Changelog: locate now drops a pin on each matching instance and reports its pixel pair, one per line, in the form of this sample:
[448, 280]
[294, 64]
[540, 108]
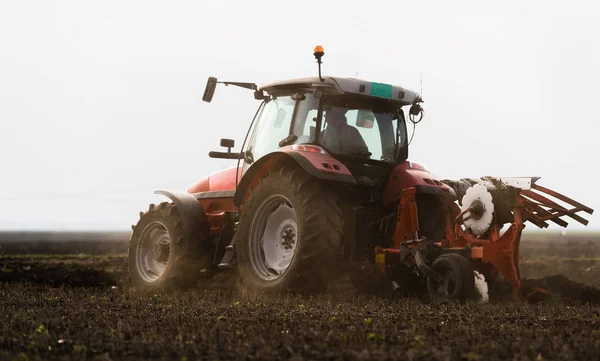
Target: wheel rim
[447, 286]
[273, 238]
[153, 250]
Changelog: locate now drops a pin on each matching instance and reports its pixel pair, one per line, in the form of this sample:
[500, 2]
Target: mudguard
[193, 217]
[312, 159]
[410, 174]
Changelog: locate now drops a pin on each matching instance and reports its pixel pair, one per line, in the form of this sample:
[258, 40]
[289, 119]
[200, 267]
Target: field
[69, 299]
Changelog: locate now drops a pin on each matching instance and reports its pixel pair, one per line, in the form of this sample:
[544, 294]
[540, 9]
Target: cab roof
[338, 86]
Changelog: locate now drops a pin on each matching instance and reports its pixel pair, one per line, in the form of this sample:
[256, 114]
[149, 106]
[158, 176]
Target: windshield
[355, 126]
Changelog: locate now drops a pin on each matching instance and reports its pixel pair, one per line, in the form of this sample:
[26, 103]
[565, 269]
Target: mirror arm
[248, 157]
[251, 86]
[224, 155]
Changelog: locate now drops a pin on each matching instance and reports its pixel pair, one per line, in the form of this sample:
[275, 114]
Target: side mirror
[228, 143]
[415, 109]
[209, 91]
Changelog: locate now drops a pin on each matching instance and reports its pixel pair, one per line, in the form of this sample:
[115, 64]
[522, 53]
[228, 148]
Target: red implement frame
[499, 250]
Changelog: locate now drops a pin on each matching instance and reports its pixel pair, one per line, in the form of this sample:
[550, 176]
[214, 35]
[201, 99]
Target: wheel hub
[448, 284]
[477, 209]
[160, 251]
[288, 238]
[152, 253]
[481, 204]
[274, 237]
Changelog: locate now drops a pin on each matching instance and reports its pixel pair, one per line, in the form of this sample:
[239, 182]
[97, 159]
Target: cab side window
[306, 120]
[273, 125]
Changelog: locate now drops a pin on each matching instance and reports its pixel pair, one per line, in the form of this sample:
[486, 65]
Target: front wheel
[289, 232]
[159, 255]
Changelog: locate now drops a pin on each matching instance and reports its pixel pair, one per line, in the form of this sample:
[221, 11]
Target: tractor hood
[223, 180]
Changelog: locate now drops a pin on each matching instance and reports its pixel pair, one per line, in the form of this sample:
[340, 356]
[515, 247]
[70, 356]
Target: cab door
[272, 126]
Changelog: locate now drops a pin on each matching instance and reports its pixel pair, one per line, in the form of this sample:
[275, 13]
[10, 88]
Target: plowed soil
[43, 322]
[80, 307]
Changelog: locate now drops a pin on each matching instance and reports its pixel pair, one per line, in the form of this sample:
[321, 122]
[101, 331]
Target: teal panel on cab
[381, 90]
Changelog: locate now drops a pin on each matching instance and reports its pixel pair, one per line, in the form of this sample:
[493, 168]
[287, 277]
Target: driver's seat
[344, 139]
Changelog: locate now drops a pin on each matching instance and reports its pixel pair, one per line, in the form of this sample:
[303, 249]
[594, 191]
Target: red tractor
[324, 184]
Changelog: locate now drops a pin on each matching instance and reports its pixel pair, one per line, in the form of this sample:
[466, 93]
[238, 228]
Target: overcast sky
[100, 102]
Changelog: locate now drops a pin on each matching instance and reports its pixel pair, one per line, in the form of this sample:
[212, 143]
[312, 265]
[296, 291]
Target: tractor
[323, 184]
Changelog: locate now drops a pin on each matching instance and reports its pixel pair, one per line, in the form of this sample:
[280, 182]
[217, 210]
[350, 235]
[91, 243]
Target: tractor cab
[349, 118]
[358, 122]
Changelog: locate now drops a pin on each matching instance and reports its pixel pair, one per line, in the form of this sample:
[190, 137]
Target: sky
[100, 102]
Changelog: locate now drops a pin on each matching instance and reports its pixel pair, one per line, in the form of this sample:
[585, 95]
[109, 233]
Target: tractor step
[228, 257]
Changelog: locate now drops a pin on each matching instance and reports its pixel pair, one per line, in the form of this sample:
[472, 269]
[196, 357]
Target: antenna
[355, 75]
[421, 84]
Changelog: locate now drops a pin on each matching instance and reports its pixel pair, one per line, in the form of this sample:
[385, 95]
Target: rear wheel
[289, 233]
[159, 254]
[458, 278]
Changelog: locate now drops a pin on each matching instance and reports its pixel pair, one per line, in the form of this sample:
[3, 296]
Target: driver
[341, 138]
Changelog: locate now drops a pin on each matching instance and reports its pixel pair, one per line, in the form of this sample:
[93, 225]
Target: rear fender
[410, 174]
[193, 217]
[315, 162]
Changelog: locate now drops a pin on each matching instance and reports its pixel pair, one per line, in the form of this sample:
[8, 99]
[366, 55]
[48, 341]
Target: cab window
[306, 119]
[273, 125]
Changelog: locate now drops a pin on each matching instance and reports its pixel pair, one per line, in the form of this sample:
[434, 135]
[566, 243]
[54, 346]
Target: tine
[533, 206]
[563, 198]
[534, 219]
[560, 213]
[540, 198]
